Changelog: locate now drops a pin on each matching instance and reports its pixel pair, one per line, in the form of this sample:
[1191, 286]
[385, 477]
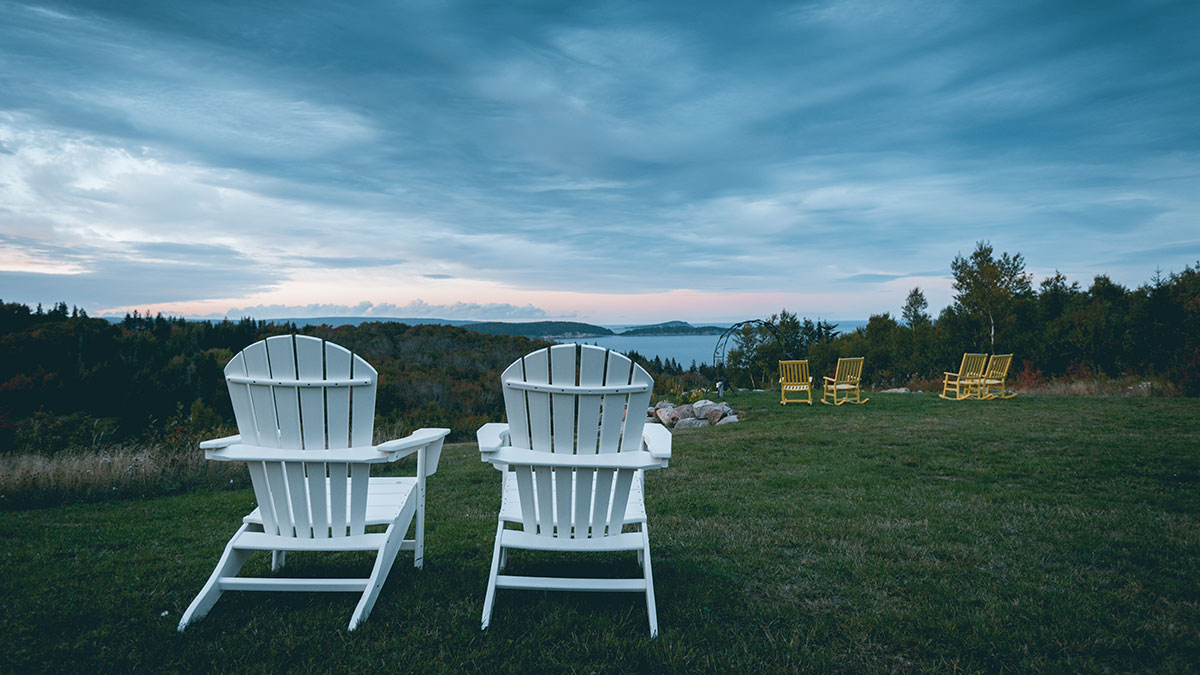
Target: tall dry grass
[1129, 385]
[97, 472]
[118, 471]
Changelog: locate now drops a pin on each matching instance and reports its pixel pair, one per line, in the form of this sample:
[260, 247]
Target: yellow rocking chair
[845, 380]
[992, 383]
[794, 377]
[966, 382]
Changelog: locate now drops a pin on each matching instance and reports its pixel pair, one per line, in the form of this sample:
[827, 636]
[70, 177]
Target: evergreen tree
[913, 312]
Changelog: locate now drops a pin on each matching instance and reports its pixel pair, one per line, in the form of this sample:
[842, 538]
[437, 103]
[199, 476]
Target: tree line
[68, 380]
[1055, 329]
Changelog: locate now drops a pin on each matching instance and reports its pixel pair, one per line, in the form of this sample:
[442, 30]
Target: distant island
[540, 329]
[673, 328]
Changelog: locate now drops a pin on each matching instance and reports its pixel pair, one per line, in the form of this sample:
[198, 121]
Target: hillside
[673, 328]
[540, 329]
[356, 320]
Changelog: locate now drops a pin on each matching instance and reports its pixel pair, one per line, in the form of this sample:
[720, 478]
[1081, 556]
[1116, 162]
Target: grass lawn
[907, 534]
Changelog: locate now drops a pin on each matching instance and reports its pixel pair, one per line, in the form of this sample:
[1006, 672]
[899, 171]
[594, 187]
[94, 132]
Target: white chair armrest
[610, 460]
[422, 439]
[254, 453]
[403, 447]
[492, 436]
[426, 442]
[657, 440]
[215, 443]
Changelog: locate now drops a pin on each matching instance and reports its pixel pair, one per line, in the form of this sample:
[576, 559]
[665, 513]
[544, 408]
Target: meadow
[909, 534]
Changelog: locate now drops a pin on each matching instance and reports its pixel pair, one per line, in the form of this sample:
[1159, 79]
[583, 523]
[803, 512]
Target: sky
[607, 162]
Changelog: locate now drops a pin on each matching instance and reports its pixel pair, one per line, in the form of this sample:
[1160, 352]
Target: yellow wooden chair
[991, 385]
[845, 380]
[794, 377]
[966, 382]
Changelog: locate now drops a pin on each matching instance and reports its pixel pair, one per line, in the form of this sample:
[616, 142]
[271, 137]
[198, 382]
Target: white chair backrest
[302, 393]
[575, 400]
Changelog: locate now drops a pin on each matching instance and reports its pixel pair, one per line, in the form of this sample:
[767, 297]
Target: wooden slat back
[612, 407]
[592, 361]
[567, 501]
[305, 403]
[998, 366]
[972, 366]
[793, 372]
[562, 406]
[849, 370]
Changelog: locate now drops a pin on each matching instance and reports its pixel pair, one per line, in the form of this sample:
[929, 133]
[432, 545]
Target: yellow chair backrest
[997, 368]
[973, 366]
[793, 372]
[849, 370]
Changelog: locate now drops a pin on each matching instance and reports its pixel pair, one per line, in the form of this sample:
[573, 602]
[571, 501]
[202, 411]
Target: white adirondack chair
[306, 410]
[573, 455]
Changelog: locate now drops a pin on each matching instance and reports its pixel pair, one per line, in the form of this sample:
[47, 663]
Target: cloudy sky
[608, 162]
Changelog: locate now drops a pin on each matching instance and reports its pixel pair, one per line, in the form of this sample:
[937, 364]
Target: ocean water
[682, 348]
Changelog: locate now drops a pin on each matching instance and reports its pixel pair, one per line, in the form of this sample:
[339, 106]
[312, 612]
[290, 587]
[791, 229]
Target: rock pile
[691, 415]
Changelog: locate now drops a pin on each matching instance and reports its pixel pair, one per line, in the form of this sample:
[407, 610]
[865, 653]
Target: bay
[683, 348]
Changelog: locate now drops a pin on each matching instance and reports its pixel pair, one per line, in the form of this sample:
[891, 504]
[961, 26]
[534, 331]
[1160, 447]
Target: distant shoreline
[546, 330]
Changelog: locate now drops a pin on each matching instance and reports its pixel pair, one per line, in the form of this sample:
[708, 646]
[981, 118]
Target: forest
[70, 381]
[1054, 330]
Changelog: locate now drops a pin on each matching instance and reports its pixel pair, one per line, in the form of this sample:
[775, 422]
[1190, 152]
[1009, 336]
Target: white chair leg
[383, 564]
[503, 558]
[278, 560]
[419, 552]
[490, 598]
[651, 609]
[231, 562]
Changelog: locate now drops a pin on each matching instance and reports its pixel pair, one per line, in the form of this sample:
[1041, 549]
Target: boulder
[691, 423]
[664, 404]
[683, 412]
[897, 390]
[714, 415]
[664, 416]
[702, 407]
[730, 419]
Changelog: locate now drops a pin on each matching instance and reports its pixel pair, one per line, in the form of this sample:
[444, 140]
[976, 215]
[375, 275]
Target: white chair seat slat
[385, 500]
[260, 541]
[626, 541]
[512, 512]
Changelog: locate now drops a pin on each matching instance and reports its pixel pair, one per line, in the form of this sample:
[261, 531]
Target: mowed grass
[907, 534]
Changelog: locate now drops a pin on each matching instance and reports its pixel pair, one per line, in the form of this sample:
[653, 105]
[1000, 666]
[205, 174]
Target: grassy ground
[908, 534]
